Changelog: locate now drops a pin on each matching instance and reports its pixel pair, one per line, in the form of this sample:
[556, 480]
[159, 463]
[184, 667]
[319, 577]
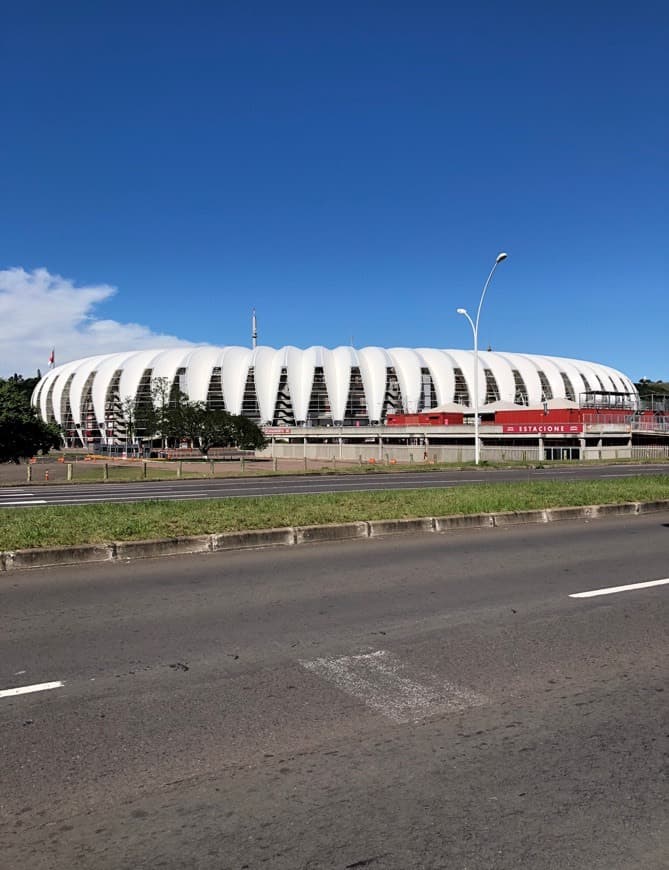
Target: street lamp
[475, 329]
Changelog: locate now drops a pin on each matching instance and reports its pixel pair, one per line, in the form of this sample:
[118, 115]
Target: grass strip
[99, 523]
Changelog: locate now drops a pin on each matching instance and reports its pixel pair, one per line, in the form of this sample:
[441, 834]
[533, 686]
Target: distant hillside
[657, 388]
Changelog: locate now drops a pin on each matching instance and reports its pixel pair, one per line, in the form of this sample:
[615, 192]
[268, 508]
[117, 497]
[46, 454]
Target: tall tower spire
[254, 330]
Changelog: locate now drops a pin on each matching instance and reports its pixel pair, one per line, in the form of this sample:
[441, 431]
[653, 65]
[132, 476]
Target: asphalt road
[429, 701]
[27, 496]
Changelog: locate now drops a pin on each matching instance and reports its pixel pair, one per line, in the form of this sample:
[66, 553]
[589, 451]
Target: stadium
[358, 403]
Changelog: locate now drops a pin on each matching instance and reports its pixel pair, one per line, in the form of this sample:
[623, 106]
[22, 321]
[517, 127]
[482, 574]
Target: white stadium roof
[300, 384]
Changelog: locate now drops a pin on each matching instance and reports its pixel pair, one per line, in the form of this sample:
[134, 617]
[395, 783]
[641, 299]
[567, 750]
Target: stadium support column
[542, 454]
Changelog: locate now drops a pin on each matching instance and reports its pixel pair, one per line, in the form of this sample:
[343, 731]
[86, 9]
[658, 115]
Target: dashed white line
[610, 590]
[25, 690]
[23, 501]
[381, 681]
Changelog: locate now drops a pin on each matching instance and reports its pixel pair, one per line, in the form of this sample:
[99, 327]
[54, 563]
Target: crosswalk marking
[383, 682]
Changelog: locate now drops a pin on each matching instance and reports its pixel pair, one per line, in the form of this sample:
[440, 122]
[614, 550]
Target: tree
[247, 435]
[129, 412]
[22, 433]
[217, 430]
[25, 385]
[647, 387]
[160, 402]
[207, 428]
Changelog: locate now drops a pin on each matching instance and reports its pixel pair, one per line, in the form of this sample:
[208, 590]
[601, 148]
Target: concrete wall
[446, 453]
[402, 453]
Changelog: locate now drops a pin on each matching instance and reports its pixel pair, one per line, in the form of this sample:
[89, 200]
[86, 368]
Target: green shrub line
[102, 523]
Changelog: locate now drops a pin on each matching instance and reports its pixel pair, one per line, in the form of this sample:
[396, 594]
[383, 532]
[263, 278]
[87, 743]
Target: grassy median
[52, 526]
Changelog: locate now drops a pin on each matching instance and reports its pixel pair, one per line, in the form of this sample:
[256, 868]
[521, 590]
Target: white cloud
[39, 311]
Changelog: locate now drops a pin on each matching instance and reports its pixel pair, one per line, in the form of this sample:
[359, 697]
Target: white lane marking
[76, 500]
[379, 679]
[612, 589]
[23, 501]
[238, 492]
[25, 690]
[259, 489]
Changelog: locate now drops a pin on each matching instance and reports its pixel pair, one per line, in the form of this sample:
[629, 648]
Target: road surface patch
[382, 681]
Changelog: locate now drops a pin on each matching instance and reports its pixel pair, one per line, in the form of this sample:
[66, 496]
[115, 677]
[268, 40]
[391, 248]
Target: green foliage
[650, 388]
[169, 415]
[25, 385]
[209, 428]
[247, 435]
[22, 433]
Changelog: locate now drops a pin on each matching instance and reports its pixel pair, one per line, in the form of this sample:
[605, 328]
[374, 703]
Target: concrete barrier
[463, 521]
[647, 507]
[253, 539]
[515, 518]
[49, 557]
[377, 528]
[52, 556]
[616, 510]
[339, 532]
[163, 547]
[584, 512]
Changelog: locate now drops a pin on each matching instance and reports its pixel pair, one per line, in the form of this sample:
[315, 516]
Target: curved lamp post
[475, 329]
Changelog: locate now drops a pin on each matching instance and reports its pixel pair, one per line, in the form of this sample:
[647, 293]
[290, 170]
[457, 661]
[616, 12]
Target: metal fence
[659, 451]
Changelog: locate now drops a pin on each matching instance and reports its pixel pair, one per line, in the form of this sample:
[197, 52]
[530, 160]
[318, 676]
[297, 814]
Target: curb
[124, 551]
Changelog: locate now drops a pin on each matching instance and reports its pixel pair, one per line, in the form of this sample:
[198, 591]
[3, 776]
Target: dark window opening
[68, 423]
[546, 391]
[114, 422]
[250, 406]
[428, 392]
[521, 396]
[283, 409]
[178, 388]
[568, 387]
[392, 400]
[319, 413]
[491, 388]
[89, 424]
[461, 396]
[356, 404]
[215, 400]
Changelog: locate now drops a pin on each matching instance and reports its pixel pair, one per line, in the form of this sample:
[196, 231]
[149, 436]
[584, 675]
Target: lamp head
[461, 311]
[501, 257]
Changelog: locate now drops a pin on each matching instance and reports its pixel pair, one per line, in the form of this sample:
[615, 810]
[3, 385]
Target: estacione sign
[542, 428]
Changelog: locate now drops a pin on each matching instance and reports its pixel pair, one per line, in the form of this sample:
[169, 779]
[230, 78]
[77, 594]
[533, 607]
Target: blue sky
[351, 169]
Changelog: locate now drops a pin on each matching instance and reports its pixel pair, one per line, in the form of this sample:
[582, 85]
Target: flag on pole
[52, 357]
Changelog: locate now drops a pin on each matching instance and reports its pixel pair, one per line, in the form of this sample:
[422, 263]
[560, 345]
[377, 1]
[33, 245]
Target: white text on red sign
[542, 428]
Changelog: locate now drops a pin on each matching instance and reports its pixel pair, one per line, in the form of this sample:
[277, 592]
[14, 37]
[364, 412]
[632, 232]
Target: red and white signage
[542, 428]
[277, 430]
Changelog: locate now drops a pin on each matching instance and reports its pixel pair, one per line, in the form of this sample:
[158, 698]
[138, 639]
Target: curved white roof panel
[288, 382]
